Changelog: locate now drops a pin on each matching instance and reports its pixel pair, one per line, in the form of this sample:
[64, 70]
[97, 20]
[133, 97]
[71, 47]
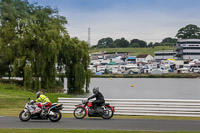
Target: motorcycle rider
[99, 98]
[46, 103]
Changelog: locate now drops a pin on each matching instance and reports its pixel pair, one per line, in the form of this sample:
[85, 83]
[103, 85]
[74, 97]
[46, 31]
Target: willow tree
[33, 39]
[46, 36]
[33, 33]
[76, 62]
[9, 18]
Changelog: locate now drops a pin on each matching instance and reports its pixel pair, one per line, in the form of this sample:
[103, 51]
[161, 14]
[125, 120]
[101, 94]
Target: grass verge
[13, 99]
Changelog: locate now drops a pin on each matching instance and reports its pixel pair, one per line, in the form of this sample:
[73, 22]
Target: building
[164, 55]
[131, 59]
[145, 58]
[188, 49]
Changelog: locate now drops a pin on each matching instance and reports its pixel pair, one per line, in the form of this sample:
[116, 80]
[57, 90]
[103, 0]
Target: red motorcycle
[104, 110]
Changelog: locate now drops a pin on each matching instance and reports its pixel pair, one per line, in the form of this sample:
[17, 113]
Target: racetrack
[98, 123]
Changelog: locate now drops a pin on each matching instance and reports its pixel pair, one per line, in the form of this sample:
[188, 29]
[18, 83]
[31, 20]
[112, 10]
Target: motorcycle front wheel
[56, 117]
[25, 116]
[107, 113]
[79, 113]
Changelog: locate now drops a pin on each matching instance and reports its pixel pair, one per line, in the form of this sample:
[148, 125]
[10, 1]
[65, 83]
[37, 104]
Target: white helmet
[39, 93]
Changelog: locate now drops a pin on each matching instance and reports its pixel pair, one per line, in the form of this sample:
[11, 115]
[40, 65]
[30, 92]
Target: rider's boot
[43, 111]
[95, 108]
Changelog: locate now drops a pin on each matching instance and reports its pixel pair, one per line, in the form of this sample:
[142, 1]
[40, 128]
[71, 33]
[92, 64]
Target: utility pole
[89, 36]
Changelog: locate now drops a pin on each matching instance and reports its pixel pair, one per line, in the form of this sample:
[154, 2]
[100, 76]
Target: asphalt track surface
[98, 123]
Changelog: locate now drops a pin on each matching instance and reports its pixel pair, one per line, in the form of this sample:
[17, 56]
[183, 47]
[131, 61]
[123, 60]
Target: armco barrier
[153, 107]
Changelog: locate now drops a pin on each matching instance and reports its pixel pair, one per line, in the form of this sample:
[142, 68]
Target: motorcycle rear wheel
[79, 113]
[56, 117]
[108, 113]
[25, 116]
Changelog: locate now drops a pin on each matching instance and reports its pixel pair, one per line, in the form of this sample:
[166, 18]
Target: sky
[148, 20]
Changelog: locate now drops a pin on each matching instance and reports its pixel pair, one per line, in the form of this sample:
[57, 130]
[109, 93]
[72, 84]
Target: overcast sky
[148, 20]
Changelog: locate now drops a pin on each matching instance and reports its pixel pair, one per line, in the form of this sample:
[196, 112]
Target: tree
[11, 13]
[122, 43]
[189, 32]
[156, 44]
[105, 42]
[169, 41]
[31, 40]
[140, 43]
[150, 44]
[113, 45]
[48, 28]
[76, 64]
[135, 45]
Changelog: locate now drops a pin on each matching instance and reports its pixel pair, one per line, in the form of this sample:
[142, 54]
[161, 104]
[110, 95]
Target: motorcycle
[37, 111]
[105, 110]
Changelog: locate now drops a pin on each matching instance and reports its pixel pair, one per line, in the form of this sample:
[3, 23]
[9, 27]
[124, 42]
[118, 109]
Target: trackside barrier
[153, 107]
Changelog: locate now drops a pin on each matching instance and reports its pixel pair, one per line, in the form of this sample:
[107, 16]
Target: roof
[142, 56]
[131, 57]
[116, 52]
[164, 51]
[188, 40]
[112, 63]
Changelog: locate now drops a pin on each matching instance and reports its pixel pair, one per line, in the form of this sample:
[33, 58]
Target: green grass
[13, 99]
[134, 51]
[77, 131]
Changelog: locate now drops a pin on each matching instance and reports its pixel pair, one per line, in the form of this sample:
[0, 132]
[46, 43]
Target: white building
[144, 58]
[188, 49]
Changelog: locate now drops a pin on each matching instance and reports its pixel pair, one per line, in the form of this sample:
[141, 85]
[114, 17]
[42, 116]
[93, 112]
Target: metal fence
[153, 107]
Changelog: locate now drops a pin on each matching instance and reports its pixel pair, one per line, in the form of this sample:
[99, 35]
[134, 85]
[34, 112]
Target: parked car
[184, 70]
[132, 71]
[196, 70]
[145, 70]
[157, 71]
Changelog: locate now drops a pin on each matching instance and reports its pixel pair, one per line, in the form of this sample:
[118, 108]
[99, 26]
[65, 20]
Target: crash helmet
[95, 90]
[39, 93]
